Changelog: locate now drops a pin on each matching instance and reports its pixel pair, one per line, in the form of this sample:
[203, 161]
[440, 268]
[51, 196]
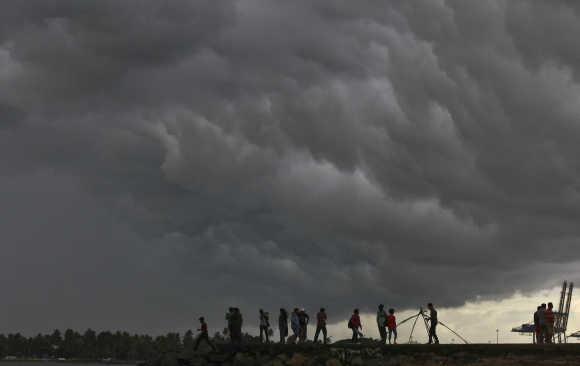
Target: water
[56, 363]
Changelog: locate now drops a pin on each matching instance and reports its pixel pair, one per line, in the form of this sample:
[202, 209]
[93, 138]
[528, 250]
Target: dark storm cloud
[178, 157]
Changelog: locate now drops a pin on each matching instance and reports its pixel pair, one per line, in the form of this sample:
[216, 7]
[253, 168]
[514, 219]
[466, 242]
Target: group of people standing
[299, 320]
[544, 319]
[386, 322]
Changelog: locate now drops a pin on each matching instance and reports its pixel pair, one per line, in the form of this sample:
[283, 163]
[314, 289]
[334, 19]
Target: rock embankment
[376, 355]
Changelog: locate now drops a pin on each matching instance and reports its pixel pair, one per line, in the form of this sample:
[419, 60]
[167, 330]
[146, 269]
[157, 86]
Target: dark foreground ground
[374, 354]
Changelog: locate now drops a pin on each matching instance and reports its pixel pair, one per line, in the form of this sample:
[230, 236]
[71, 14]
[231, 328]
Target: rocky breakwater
[376, 354]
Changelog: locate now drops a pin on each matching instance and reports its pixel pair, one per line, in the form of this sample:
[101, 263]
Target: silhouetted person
[542, 323]
[203, 335]
[230, 323]
[264, 325]
[433, 324]
[354, 324]
[320, 325]
[392, 326]
[303, 319]
[236, 324]
[549, 319]
[295, 324]
[382, 322]
[283, 325]
[537, 326]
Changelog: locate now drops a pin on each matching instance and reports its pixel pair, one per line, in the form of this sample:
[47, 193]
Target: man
[382, 322]
[537, 329]
[295, 324]
[320, 325]
[549, 320]
[433, 324]
[264, 325]
[283, 325]
[303, 320]
[203, 335]
[542, 323]
[230, 323]
[236, 321]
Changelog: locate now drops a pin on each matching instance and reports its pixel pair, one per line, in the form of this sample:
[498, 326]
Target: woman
[283, 325]
[355, 324]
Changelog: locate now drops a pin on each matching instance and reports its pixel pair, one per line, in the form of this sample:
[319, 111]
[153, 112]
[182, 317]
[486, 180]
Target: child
[392, 325]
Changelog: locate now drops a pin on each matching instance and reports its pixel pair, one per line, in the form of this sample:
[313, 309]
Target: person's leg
[261, 334]
[395, 333]
[353, 335]
[210, 343]
[201, 337]
[324, 334]
[267, 330]
[316, 333]
[435, 333]
[390, 332]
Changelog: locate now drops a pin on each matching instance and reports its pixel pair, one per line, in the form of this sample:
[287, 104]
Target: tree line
[91, 345]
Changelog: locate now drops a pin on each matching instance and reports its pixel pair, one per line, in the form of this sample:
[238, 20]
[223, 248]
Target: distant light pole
[497, 336]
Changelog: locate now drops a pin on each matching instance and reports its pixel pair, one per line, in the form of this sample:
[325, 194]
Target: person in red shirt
[320, 325]
[549, 319]
[355, 324]
[203, 335]
[392, 325]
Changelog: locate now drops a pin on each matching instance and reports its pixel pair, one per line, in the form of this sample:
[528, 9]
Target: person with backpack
[264, 326]
[303, 319]
[283, 325]
[354, 324]
[382, 322]
[392, 325]
[203, 335]
[320, 325]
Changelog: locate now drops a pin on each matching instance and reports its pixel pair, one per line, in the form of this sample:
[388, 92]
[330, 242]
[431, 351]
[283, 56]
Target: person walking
[354, 324]
[203, 335]
[549, 319]
[303, 319]
[320, 325]
[295, 324]
[537, 328]
[392, 325]
[283, 325]
[542, 324]
[433, 324]
[382, 323]
[264, 326]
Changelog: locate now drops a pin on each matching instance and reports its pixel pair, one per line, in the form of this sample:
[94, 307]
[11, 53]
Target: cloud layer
[167, 159]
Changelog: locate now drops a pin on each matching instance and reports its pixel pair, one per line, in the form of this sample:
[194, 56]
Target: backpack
[350, 323]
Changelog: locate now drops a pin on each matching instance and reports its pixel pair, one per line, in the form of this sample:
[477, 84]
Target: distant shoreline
[100, 362]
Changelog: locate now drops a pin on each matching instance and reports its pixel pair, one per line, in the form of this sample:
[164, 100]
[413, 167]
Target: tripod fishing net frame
[426, 320]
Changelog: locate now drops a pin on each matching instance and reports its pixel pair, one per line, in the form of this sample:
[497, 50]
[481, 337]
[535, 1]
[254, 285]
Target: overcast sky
[167, 159]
